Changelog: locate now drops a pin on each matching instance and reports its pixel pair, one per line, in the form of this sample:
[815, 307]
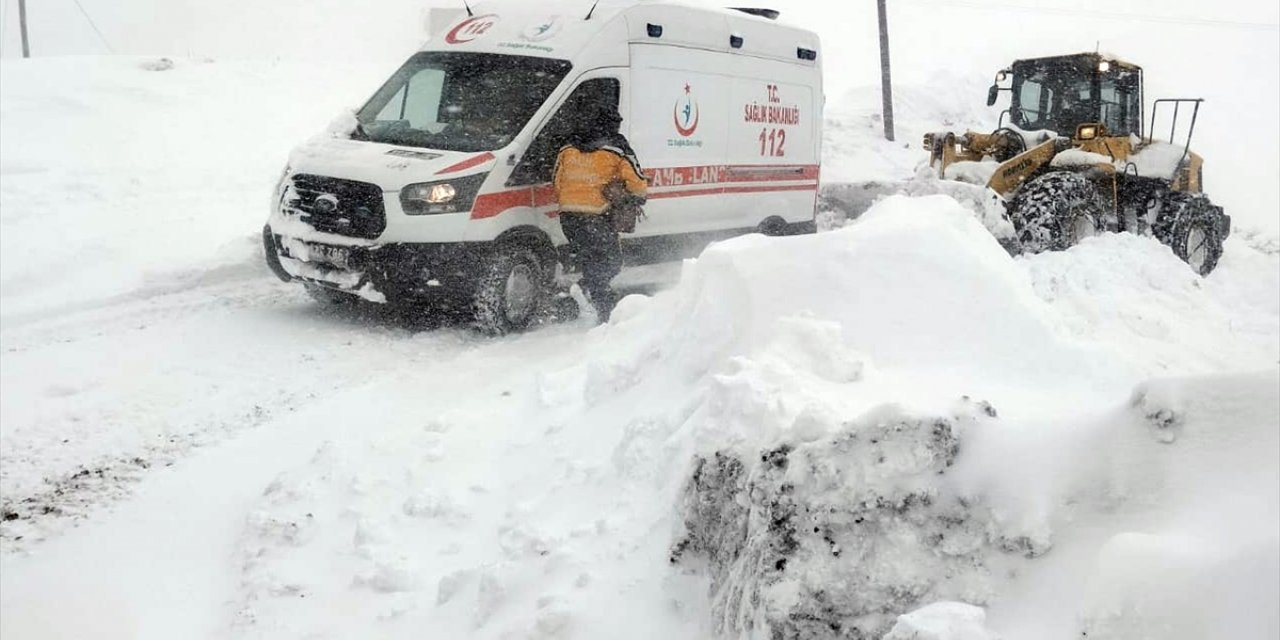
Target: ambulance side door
[679, 131]
[773, 142]
[537, 163]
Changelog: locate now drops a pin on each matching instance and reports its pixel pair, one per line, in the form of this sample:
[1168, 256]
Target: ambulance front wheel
[511, 292]
[773, 226]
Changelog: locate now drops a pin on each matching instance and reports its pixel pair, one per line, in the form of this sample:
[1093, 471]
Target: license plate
[337, 256]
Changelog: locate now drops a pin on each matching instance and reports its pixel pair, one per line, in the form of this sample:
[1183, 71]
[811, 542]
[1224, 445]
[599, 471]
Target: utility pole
[886, 88]
[22, 25]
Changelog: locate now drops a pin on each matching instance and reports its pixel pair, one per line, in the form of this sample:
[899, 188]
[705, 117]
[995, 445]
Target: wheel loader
[1070, 158]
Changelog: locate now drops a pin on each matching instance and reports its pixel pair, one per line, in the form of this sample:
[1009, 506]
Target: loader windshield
[460, 101]
[1059, 94]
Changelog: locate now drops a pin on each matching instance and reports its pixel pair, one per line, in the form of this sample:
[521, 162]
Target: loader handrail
[1173, 127]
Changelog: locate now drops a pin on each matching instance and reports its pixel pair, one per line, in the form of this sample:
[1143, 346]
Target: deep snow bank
[793, 384]
[818, 513]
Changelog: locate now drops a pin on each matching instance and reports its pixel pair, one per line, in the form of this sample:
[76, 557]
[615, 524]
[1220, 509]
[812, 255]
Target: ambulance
[438, 188]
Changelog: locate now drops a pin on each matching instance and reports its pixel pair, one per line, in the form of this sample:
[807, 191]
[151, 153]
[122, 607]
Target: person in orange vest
[597, 181]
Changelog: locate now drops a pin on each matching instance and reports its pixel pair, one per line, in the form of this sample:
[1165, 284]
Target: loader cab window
[1120, 96]
[1033, 101]
[539, 161]
[1053, 95]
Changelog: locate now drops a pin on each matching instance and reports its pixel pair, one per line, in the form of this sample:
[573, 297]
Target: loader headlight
[1087, 132]
[1104, 66]
[450, 196]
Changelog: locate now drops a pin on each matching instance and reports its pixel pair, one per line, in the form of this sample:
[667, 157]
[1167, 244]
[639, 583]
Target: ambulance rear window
[456, 101]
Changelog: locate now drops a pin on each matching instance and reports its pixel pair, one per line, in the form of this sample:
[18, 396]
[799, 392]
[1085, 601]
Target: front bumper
[386, 272]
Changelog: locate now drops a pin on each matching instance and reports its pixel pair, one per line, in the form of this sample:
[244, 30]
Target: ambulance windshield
[459, 101]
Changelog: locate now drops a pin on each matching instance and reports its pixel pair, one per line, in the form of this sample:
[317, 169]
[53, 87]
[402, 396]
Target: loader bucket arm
[1011, 174]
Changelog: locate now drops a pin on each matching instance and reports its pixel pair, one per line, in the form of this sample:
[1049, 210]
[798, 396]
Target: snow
[455, 490]
[190, 448]
[971, 171]
[854, 148]
[1078, 157]
[942, 621]
[1159, 159]
[153, 179]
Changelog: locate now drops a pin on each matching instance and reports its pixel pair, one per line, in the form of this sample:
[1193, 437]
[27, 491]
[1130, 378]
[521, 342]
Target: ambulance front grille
[344, 207]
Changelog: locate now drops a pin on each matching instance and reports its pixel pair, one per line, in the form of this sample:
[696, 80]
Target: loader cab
[1061, 93]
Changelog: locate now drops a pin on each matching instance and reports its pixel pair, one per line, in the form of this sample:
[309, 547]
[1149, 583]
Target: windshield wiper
[360, 133]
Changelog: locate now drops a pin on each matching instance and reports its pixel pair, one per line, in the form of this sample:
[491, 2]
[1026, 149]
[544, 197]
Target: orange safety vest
[581, 177]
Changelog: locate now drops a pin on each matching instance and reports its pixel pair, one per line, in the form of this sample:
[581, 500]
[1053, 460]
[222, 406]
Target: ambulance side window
[540, 160]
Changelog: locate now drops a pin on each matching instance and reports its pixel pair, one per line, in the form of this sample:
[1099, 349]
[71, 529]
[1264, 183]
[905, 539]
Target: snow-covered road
[190, 404]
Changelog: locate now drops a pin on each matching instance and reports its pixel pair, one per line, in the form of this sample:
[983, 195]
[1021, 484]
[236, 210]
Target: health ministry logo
[685, 114]
[543, 30]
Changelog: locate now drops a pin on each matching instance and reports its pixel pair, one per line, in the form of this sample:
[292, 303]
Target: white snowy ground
[222, 459]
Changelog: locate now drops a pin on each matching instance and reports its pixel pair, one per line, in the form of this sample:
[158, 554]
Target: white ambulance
[441, 189]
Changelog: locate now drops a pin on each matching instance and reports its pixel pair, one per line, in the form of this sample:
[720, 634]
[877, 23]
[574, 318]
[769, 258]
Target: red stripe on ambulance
[713, 174]
[474, 161]
[716, 180]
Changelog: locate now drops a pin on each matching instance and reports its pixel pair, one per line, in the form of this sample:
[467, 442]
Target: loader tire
[512, 292]
[1195, 235]
[1055, 211]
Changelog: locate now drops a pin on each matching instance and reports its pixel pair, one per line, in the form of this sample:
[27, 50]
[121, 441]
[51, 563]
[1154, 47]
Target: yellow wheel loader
[1070, 158]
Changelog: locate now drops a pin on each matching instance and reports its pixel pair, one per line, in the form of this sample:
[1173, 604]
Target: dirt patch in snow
[836, 537]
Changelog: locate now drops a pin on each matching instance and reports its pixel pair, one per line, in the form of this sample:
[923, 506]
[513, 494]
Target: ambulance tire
[511, 293]
[773, 226]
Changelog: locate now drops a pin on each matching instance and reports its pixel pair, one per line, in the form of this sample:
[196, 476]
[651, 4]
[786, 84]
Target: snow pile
[1079, 157]
[854, 148]
[972, 172]
[835, 536]
[815, 513]
[812, 458]
[1133, 294]
[861, 168]
[539, 485]
[1158, 159]
[942, 621]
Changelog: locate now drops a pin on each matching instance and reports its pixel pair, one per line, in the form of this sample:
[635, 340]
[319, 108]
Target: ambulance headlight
[284, 175]
[442, 193]
[448, 196]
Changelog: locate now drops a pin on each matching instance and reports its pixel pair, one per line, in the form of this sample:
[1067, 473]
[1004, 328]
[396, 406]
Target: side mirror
[992, 93]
